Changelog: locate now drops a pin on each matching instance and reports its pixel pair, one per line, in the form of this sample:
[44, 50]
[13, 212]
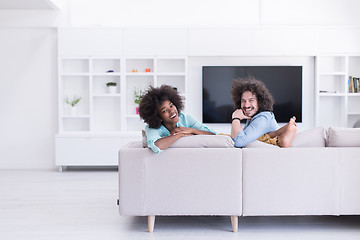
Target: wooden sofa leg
[151, 223]
[234, 223]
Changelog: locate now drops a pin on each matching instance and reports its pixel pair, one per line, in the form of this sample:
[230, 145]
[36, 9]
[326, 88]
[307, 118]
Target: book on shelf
[354, 84]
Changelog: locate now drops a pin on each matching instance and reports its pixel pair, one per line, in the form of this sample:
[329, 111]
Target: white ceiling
[27, 5]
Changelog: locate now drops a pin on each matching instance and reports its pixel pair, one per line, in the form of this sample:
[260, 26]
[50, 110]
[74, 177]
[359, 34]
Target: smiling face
[168, 112]
[249, 104]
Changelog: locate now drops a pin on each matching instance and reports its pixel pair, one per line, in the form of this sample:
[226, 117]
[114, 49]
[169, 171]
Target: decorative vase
[73, 110]
[111, 89]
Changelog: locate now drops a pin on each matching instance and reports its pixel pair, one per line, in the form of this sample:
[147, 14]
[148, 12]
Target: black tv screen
[284, 83]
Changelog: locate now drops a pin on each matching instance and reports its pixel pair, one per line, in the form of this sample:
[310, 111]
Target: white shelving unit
[102, 115]
[332, 90]
[353, 110]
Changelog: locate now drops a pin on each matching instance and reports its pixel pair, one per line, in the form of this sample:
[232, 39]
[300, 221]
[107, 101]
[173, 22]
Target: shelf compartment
[75, 86]
[135, 124]
[174, 81]
[165, 65]
[102, 65]
[106, 114]
[75, 124]
[354, 66]
[139, 83]
[332, 64]
[74, 66]
[99, 84]
[139, 65]
[354, 104]
[332, 83]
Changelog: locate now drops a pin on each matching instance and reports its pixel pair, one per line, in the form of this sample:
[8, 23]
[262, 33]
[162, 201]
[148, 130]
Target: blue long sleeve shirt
[261, 123]
[153, 134]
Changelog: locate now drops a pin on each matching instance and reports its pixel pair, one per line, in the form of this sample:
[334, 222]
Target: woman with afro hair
[254, 103]
[161, 109]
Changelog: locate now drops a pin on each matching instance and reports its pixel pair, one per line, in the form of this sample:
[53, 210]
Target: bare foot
[287, 137]
[283, 129]
[292, 121]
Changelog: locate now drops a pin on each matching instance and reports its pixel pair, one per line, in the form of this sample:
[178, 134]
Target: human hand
[183, 131]
[238, 113]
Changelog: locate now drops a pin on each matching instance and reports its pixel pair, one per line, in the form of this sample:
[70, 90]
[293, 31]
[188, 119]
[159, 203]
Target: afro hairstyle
[263, 96]
[152, 100]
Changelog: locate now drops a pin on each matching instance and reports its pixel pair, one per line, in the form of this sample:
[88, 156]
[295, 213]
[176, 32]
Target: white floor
[81, 204]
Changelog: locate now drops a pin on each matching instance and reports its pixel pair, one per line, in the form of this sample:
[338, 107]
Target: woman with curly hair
[254, 103]
[161, 109]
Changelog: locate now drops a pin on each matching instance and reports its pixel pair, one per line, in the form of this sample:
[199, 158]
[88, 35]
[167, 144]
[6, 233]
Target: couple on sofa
[161, 109]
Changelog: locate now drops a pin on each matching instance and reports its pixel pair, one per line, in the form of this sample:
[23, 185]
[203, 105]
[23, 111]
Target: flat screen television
[284, 83]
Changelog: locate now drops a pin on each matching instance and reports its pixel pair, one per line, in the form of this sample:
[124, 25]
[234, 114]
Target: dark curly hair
[152, 100]
[263, 96]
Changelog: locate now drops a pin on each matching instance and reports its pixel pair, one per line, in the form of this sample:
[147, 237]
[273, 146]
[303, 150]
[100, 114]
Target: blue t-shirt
[153, 134]
[261, 123]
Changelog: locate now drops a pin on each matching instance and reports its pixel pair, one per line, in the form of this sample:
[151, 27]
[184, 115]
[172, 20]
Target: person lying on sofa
[254, 103]
[161, 109]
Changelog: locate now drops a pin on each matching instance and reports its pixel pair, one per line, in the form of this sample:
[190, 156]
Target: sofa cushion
[204, 141]
[314, 137]
[259, 144]
[343, 137]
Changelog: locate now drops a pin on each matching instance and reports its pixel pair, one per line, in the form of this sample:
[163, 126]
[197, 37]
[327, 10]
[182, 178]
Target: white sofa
[259, 180]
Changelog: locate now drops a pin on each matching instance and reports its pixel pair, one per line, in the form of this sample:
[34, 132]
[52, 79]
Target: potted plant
[72, 104]
[137, 98]
[111, 87]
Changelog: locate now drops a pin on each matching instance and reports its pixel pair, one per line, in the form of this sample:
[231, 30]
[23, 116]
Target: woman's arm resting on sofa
[165, 142]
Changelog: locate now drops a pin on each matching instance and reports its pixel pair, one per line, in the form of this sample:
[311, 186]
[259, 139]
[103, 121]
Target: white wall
[185, 13]
[28, 95]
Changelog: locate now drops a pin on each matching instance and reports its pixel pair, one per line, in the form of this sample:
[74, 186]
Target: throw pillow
[343, 137]
[357, 124]
[314, 137]
[144, 139]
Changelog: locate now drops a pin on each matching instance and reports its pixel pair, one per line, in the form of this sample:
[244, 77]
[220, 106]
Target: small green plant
[111, 84]
[73, 102]
[138, 93]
